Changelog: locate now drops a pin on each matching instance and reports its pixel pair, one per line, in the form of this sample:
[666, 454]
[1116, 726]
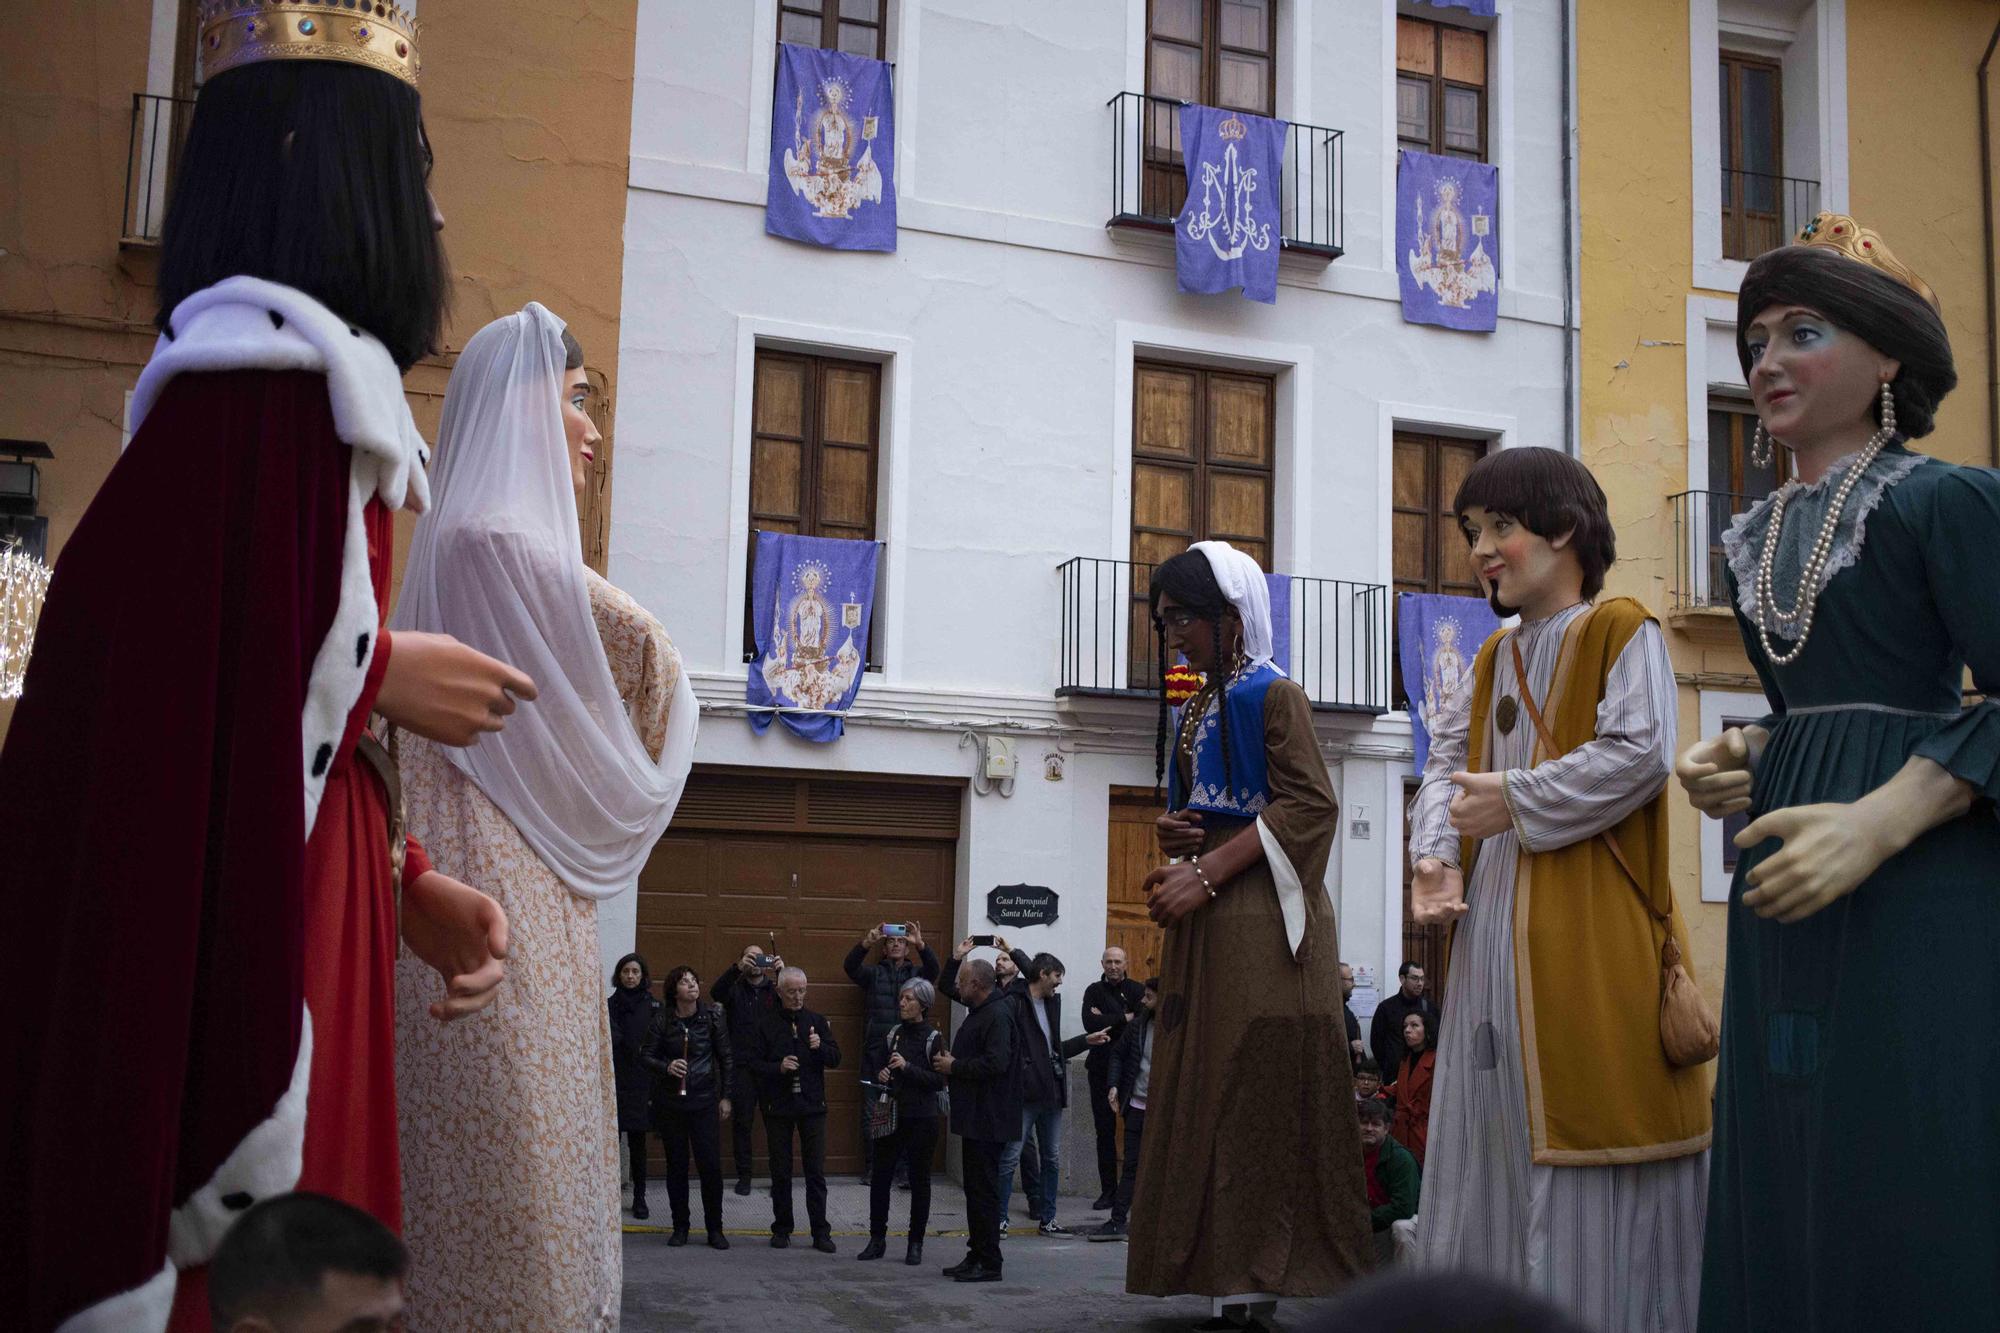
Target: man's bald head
[1113, 963]
[975, 981]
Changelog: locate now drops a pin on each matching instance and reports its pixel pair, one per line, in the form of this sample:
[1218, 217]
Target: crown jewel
[1837, 231]
[374, 33]
[1232, 129]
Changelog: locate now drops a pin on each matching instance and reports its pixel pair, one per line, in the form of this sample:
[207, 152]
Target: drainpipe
[1572, 437]
[1992, 296]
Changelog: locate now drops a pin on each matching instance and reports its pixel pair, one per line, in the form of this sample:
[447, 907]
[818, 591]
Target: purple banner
[1448, 240]
[833, 151]
[1229, 234]
[1281, 620]
[1437, 638]
[811, 599]
[1482, 8]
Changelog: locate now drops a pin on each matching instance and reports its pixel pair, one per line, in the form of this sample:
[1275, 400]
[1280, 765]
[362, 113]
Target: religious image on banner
[1229, 233]
[813, 599]
[1437, 638]
[1281, 620]
[1450, 245]
[833, 151]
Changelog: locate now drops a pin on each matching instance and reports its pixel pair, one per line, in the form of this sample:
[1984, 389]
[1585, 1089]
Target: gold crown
[1232, 129]
[374, 33]
[1837, 231]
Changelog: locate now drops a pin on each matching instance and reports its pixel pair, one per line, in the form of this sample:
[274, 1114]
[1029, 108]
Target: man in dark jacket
[746, 993]
[1130, 1071]
[1037, 1015]
[881, 982]
[1356, 1048]
[1385, 1030]
[795, 1048]
[1108, 1005]
[983, 1067]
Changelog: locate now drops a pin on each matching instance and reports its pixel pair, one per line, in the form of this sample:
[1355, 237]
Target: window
[858, 27]
[1220, 53]
[1441, 89]
[814, 443]
[1429, 551]
[1753, 188]
[1735, 482]
[1202, 455]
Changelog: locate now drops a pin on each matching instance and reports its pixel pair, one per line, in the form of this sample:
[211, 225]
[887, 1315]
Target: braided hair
[1190, 580]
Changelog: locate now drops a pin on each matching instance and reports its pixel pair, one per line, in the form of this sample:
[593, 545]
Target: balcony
[1333, 637]
[153, 147]
[1149, 177]
[1700, 519]
[1762, 212]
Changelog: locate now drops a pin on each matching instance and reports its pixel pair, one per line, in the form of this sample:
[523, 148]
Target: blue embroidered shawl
[1247, 789]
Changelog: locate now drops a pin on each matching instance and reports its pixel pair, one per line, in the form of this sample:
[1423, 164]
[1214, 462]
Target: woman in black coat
[633, 1008]
[914, 1085]
[693, 1069]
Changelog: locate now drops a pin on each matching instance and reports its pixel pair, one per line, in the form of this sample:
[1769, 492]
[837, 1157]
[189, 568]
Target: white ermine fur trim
[144, 1309]
[265, 1164]
[340, 667]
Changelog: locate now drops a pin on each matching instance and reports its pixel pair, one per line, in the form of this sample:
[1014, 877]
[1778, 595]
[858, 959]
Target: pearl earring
[1760, 446]
[1888, 412]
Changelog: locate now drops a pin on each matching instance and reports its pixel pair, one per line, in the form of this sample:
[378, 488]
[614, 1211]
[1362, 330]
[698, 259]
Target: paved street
[1051, 1285]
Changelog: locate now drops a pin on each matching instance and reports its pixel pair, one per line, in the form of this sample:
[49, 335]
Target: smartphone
[982, 941]
[895, 932]
[761, 960]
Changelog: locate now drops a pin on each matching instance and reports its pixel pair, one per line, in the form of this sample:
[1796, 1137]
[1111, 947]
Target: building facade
[1711, 131]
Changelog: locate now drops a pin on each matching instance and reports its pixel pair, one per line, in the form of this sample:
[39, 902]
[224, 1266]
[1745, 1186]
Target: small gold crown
[374, 33]
[1837, 231]
[1232, 129]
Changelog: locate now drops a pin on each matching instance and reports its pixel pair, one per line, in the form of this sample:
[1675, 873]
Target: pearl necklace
[1796, 624]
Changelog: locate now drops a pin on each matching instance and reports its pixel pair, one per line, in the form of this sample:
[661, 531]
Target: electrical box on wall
[999, 758]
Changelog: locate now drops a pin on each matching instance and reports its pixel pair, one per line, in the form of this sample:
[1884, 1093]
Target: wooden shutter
[1131, 855]
[858, 27]
[1441, 88]
[1752, 119]
[1428, 551]
[1221, 53]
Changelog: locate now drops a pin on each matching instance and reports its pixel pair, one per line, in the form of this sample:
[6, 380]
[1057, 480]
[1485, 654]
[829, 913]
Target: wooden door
[1132, 855]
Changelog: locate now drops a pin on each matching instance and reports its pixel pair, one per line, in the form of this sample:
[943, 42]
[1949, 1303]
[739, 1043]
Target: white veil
[497, 562]
[1242, 582]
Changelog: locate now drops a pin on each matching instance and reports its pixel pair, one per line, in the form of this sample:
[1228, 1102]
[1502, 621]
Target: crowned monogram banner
[833, 151]
[812, 599]
[1229, 234]
[1437, 638]
[1448, 240]
[1281, 620]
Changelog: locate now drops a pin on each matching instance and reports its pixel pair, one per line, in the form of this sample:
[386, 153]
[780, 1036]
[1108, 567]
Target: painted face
[1812, 380]
[1413, 1032]
[628, 975]
[1518, 568]
[1194, 637]
[1373, 1132]
[688, 988]
[577, 425]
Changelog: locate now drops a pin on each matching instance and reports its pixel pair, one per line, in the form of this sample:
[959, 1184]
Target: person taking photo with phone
[904, 957]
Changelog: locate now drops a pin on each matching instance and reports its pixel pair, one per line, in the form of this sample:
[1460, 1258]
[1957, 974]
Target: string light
[24, 581]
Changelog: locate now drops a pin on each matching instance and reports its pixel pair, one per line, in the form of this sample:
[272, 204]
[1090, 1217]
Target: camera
[761, 960]
[982, 941]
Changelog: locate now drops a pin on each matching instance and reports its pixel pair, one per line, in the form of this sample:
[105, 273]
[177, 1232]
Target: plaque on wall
[1021, 905]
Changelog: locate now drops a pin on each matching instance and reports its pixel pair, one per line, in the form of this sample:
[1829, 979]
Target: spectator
[907, 1150]
[1385, 1030]
[633, 1008]
[1368, 1081]
[1434, 1302]
[880, 984]
[1007, 979]
[692, 1064]
[301, 1263]
[1131, 1065]
[795, 1048]
[1412, 1124]
[746, 993]
[1355, 1048]
[1109, 1003]
[1392, 1176]
[983, 1066]
[1044, 1082]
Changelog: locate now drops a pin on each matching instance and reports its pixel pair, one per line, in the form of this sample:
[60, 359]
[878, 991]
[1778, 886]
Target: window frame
[1737, 217]
[1163, 179]
[829, 15]
[1434, 516]
[1439, 83]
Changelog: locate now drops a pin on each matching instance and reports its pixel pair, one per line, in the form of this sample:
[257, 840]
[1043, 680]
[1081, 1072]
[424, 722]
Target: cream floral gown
[508, 1118]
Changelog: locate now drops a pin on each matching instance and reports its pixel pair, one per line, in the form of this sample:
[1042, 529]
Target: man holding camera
[746, 993]
[1109, 1003]
[881, 982]
[983, 1069]
[794, 1049]
[1044, 1082]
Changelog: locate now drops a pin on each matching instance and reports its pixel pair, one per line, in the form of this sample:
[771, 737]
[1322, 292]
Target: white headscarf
[1242, 581]
[497, 563]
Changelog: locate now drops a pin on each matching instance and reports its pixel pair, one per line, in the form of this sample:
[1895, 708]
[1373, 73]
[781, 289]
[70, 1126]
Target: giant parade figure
[192, 810]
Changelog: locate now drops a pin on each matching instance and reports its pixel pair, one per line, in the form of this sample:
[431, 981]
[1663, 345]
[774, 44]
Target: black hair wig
[311, 174]
[1871, 305]
[1549, 493]
[572, 351]
[275, 1257]
[1190, 580]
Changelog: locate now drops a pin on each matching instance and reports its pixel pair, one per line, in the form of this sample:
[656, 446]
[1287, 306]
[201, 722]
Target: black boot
[742, 1184]
[874, 1249]
[915, 1253]
[680, 1236]
[1103, 1201]
[639, 1209]
[717, 1241]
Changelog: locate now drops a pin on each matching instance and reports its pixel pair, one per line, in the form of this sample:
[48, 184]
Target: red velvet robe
[171, 912]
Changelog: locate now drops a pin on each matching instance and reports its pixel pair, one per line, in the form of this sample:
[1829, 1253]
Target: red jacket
[1412, 1090]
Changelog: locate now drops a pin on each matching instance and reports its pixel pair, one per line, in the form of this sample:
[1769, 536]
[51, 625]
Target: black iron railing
[1333, 636]
[1762, 212]
[1700, 519]
[153, 149]
[1149, 177]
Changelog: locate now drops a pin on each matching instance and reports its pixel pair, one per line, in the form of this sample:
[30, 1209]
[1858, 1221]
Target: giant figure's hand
[445, 691]
[1172, 892]
[1479, 808]
[1437, 894]
[463, 934]
[1828, 850]
[1179, 834]
[1715, 773]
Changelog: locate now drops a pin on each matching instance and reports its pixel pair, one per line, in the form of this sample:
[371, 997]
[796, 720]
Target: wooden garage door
[1131, 855]
[818, 860]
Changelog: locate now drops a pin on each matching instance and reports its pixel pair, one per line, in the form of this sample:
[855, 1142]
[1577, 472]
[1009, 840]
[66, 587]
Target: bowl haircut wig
[1869, 304]
[311, 174]
[1549, 493]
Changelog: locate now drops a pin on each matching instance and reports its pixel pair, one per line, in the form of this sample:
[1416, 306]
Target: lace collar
[1805, 510]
